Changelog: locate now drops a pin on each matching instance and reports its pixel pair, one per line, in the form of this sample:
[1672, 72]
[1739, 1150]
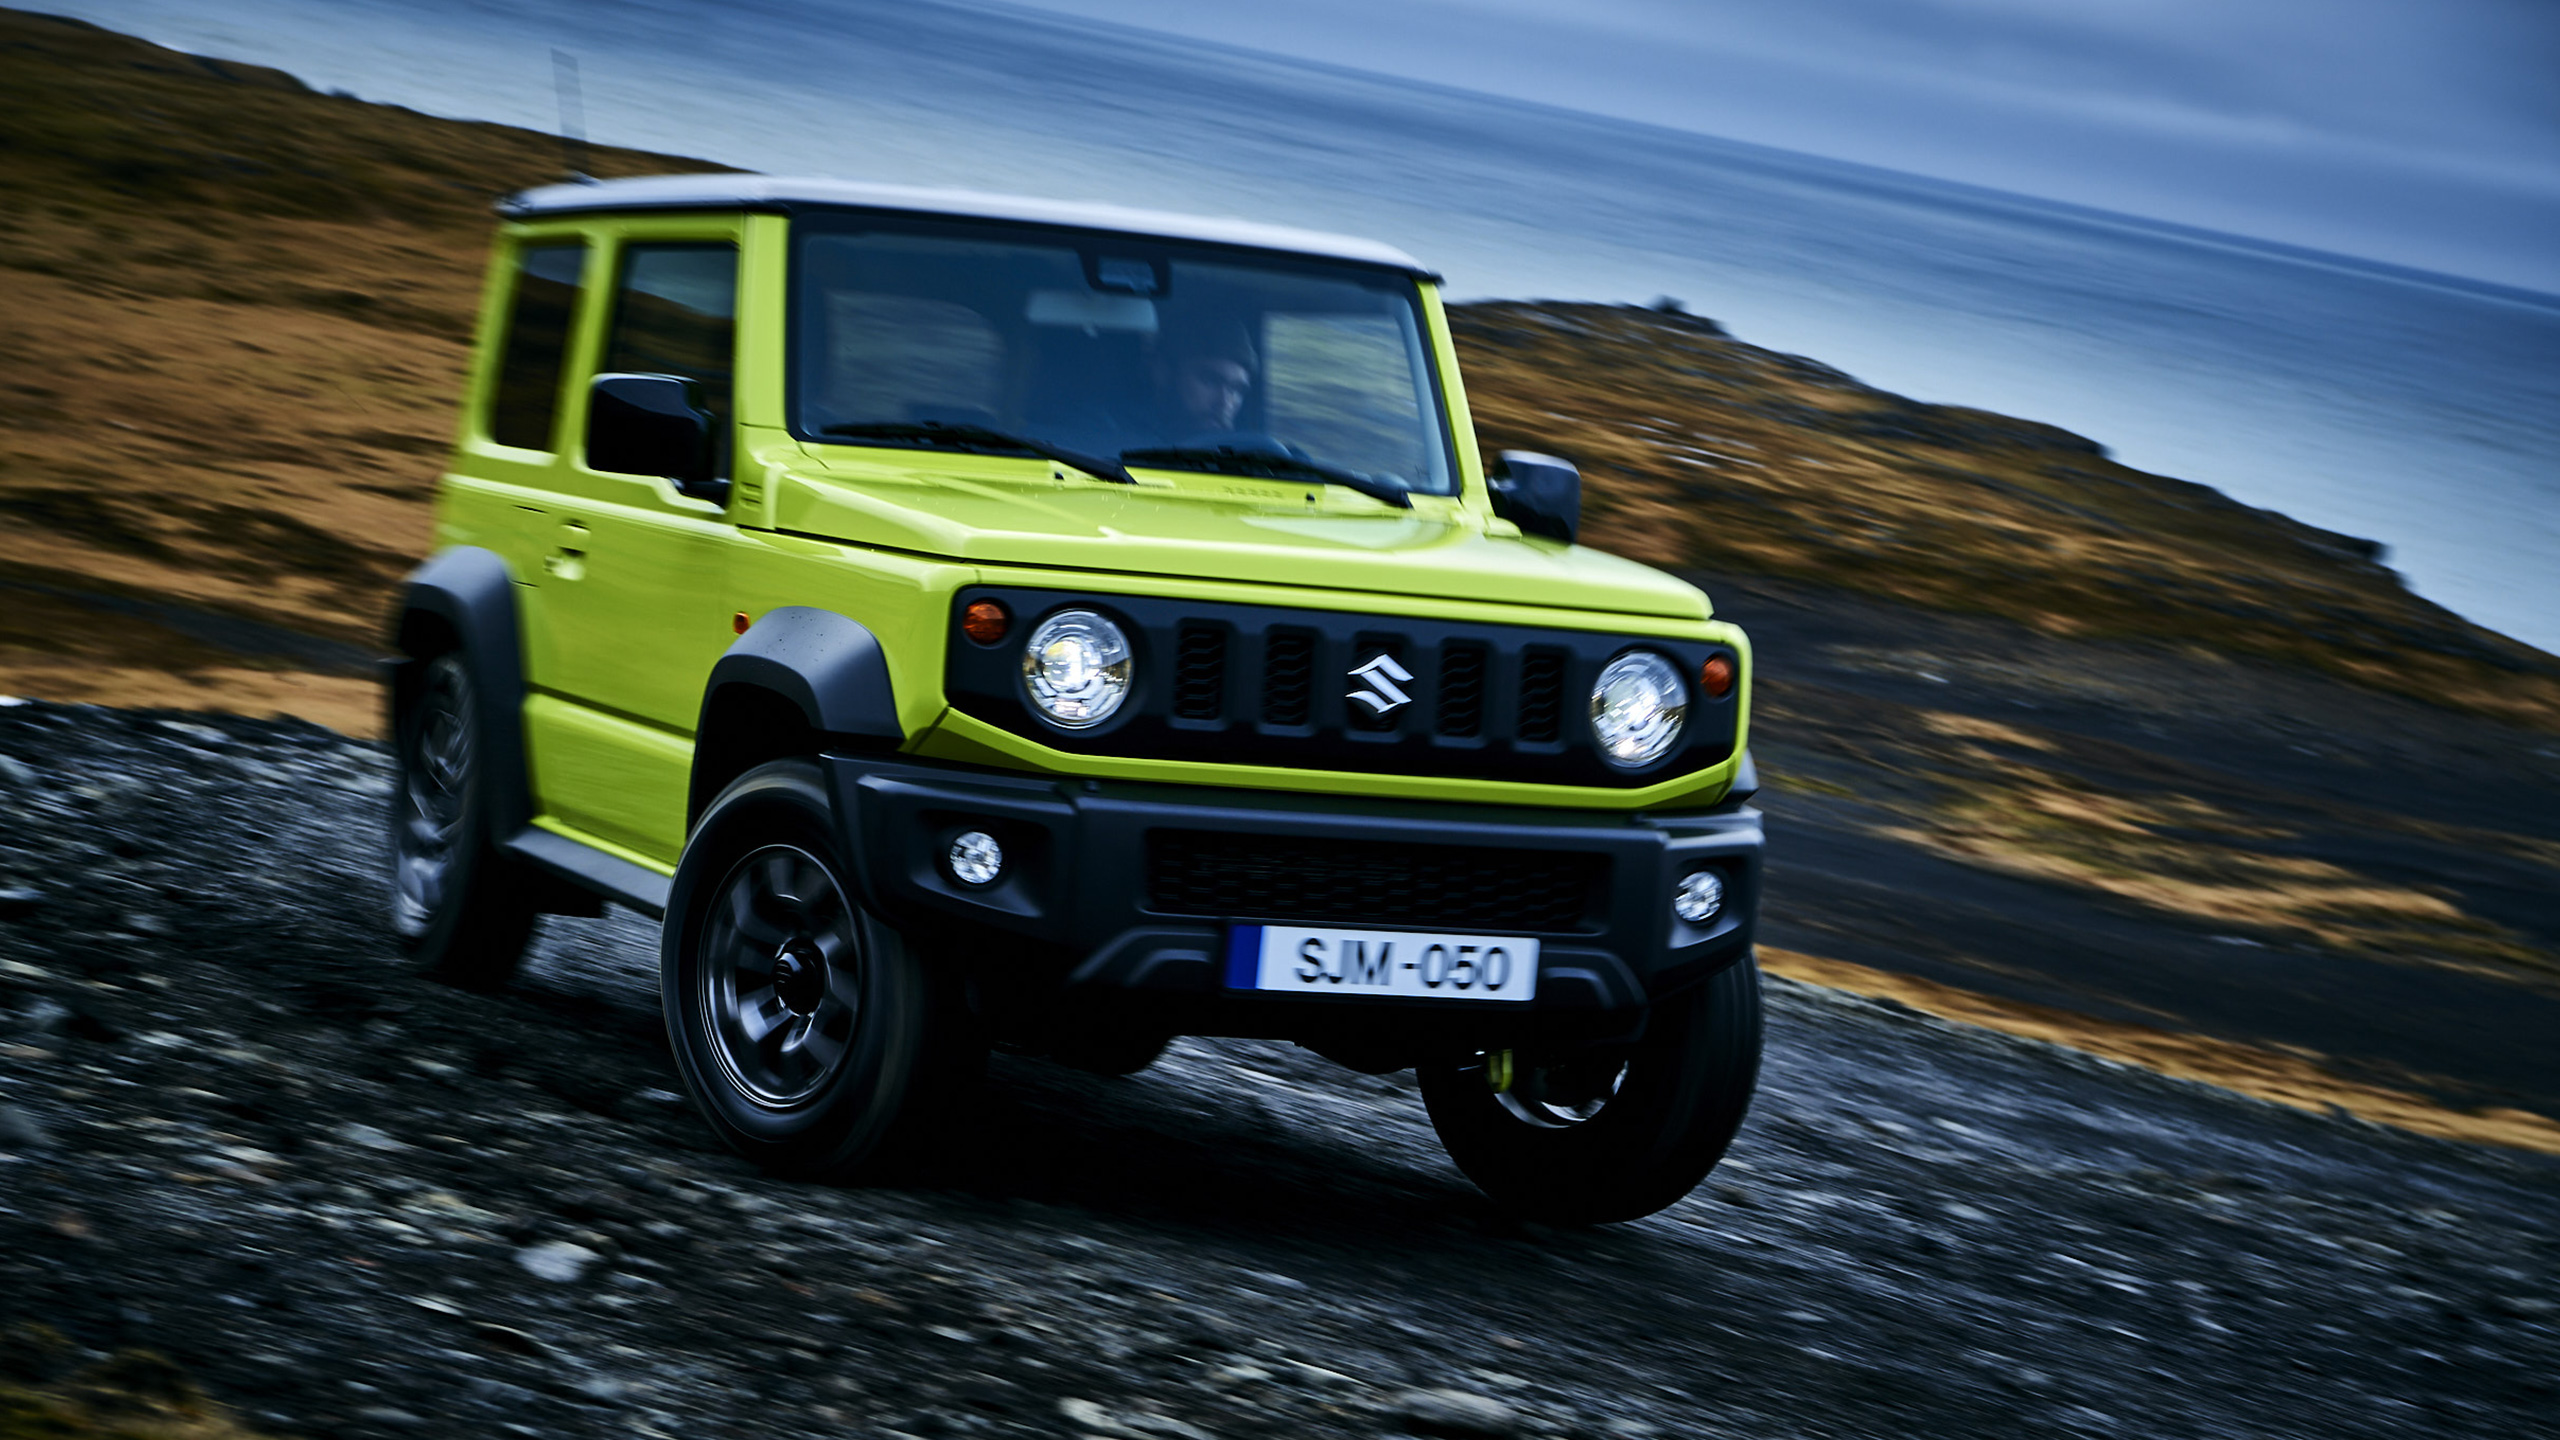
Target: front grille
[1341, 690]
[1200, 672]
[1444, 887]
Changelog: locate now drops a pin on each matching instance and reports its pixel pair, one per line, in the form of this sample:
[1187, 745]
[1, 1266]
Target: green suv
[970, 621]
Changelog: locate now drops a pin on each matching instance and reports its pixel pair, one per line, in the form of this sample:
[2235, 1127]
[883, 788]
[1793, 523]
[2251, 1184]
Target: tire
[1614, 1136]
[463, 910]
[814, 1039]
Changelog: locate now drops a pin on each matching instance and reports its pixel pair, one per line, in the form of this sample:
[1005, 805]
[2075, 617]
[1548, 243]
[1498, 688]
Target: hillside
[1706, 455]
[239, 315]
[240, 310]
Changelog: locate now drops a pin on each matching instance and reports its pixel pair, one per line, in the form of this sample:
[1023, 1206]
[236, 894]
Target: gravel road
[350, 1202]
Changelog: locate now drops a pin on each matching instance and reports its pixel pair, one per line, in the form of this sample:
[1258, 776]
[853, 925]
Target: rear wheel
[461, 907]
[1608, 1135]
[814, 1039]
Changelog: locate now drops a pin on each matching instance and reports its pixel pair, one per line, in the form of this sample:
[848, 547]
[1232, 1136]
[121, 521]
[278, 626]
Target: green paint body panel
[626, 589]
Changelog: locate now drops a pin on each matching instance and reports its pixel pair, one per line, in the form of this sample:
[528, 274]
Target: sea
[2416, 409]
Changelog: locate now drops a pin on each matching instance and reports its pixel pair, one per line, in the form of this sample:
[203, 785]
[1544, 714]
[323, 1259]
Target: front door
[636, 581]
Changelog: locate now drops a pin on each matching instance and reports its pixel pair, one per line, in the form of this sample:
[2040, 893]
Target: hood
[1212, 527]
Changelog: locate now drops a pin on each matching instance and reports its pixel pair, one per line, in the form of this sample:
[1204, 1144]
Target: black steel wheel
[1607, 1135]
[461, 907]
[814, 1039]
[779, 978]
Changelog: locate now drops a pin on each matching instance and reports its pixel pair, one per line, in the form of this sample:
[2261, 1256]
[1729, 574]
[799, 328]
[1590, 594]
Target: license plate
[1302, 960]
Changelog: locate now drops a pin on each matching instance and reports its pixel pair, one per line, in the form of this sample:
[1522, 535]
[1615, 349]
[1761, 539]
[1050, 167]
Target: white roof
[772, 192]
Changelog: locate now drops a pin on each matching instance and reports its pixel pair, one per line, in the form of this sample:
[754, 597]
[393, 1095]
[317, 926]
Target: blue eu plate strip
[1244, 956]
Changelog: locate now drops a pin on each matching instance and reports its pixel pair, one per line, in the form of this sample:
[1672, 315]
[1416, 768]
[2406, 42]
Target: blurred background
[2058, 393]
[2299, 251]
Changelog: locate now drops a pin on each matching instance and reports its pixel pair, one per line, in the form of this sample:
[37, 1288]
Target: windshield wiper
[1228, 460]
[981, 440]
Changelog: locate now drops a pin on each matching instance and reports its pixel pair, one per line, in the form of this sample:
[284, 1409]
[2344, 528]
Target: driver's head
[1203, 373]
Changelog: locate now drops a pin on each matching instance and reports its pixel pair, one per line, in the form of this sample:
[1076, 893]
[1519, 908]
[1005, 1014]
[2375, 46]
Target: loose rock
[20, 1130]
[1459, 1414]
[265, 1186]
[559, 1260]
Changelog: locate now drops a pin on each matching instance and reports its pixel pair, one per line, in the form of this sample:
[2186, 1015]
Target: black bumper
[1086, 890]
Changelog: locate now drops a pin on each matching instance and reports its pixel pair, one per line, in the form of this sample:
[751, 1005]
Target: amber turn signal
[985, 621]
[739, 622]
[1716, 677]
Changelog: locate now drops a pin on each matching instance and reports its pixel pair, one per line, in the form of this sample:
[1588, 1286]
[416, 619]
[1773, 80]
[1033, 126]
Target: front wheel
[1609, 1135]
[810, 1034]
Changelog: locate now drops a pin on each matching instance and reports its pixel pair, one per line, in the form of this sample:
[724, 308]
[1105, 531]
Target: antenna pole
[573, 116]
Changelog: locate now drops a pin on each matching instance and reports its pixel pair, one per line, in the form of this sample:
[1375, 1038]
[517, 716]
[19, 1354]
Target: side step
[588, 868]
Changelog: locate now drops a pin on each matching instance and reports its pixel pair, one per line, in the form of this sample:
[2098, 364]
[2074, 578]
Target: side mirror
[655, 425]
[1539, 493]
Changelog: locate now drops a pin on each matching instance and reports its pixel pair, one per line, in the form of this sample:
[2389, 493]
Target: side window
[528, 391]
[676, 314]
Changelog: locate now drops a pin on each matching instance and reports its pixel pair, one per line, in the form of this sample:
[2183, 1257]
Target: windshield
[1178, 357]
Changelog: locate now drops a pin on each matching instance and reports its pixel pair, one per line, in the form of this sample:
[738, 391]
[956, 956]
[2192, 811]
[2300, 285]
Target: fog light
[1699, 897]
[975, 858]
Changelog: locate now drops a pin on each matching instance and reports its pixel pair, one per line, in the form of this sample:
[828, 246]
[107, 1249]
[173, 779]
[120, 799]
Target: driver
[1201, 375]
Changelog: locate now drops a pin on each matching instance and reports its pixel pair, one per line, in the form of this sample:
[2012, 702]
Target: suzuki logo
[1377, 684]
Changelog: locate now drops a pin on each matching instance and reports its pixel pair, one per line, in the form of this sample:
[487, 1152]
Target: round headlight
[1075, 669]
[1637, 709]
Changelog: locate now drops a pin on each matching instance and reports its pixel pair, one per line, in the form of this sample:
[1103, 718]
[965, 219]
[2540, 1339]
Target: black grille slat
[1350, 882]
[1462, 675]
[1541, 697]
[1288, 677]
[1200, 672]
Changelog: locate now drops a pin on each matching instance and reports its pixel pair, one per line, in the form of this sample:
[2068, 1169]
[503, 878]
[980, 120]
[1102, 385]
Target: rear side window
[528, 395]
[676, 314]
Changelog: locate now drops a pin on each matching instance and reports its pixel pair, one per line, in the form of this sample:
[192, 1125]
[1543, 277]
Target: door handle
[568, 557]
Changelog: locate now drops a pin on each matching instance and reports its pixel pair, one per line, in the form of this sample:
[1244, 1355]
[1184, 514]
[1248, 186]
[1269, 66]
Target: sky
[2423, 133]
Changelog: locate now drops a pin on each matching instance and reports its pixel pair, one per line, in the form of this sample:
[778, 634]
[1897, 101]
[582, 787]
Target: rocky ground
[349, 1202]
[2252, 853]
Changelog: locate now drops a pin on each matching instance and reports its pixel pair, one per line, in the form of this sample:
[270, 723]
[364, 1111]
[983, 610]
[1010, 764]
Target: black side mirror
[1539, 493]
[655, 425]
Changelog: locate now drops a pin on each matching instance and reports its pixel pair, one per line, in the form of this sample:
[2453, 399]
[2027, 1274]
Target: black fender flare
[827, 667]
[472, 592]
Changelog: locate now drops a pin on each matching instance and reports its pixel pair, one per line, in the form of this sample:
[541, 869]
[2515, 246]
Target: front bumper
[1078, 901]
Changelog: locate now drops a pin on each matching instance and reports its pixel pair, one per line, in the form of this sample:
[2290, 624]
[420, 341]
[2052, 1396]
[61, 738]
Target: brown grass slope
[1705, 454]
[238, 313]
